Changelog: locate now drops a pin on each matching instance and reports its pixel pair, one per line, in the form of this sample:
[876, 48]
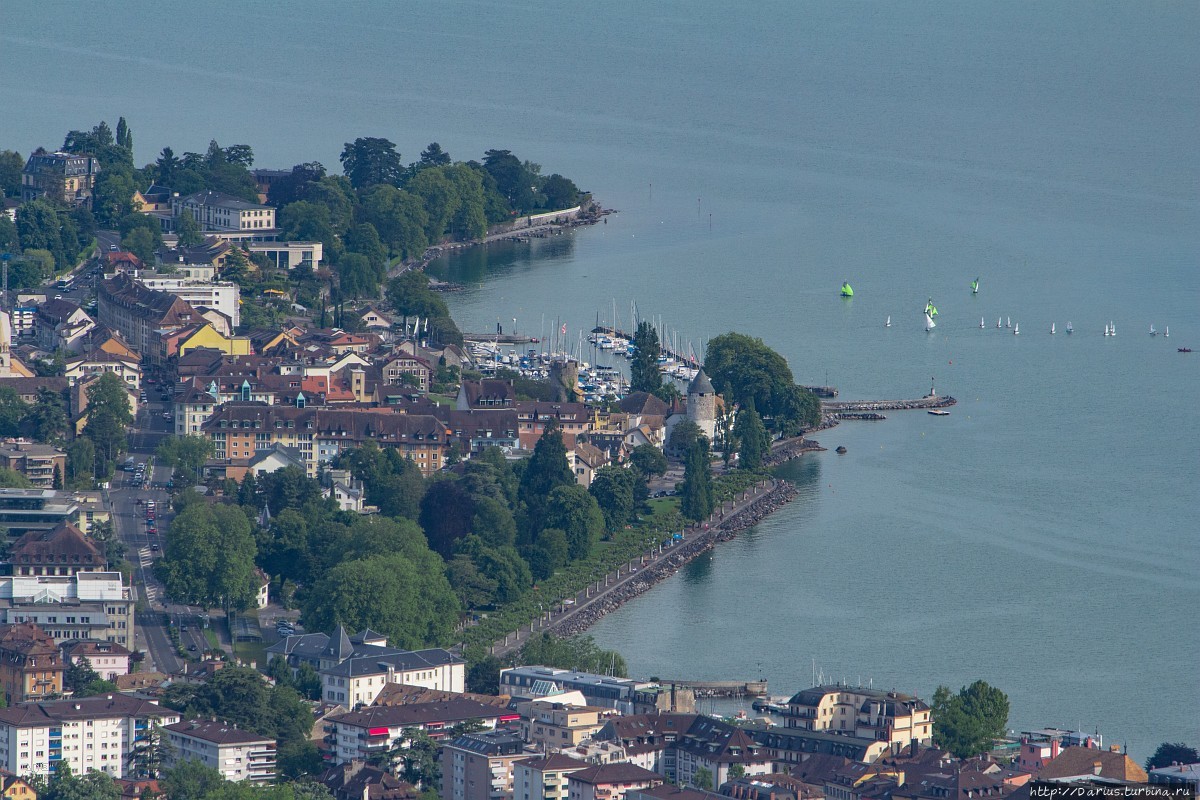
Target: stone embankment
[695, 545]
[929, 401]
[785, 450]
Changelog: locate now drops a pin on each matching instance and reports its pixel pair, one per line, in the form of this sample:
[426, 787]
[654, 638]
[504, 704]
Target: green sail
[847, 291]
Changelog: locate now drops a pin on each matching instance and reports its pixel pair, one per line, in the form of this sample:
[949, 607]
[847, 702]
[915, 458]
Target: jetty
[500, 338]
[664, 348]
[722, 688]
[869, 406]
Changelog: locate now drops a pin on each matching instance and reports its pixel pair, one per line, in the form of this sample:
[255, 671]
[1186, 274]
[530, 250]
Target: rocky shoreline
[697, 544]
[787, 449]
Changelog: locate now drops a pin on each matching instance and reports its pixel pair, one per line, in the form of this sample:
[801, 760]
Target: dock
[722, 688]
[662, 346]
[500, 338]
[870, 406]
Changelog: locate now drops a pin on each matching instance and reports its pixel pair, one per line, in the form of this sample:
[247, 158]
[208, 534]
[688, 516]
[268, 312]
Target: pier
[867, 406]
[500, 338]
[722, 688]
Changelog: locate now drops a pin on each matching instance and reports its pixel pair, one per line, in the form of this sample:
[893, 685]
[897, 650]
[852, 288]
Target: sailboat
[930, 308]
[929, 323]
[999, 322]
[1152, 331]
[981, 322]
[1107, 332]
[1069, 328]
[888, 324]
[1112, 327]
[1051, 328]
[846, 290]
[1008, 324]
[1167, 331]
[975, 286]
[1017, 329]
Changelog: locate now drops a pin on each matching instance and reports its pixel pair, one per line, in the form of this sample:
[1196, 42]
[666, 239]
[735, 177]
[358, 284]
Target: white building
[361, 734]
[238, 755]
[544, 777]
[108, 659]
[223, 296]
[358, 681]
[216, 211]
[87, 605]
[289, 255]
[91, 733]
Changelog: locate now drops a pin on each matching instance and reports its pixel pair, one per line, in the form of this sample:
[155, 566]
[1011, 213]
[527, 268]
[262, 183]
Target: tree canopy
[968, 723]
[747, 372]
[643, 369]
[209, 558]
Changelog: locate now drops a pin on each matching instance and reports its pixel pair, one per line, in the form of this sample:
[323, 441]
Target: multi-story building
[289, 255]
[376, 729]
[219, 212]
[556, 726]
[127, 367]
[418, 370]
[61, 177]
[13, 787]
[889, 717]
[534, 416]
[544, 777]
[63, 551]
[239, 430]
[61, 324]
[40, 463]
[358, 780]
[108, 659]
[479, 766]
[31, 667]
[87, 605]
[90, 733]
[609, 781]
[23, 510]
[223, 296]
[623, 694]
[358, 680]
[24, 316]
[142, 315]
[238, 755]
[476, 429]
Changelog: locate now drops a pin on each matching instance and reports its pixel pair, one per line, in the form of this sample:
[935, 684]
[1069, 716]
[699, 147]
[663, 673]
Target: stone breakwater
[787, 449]
[695, 545]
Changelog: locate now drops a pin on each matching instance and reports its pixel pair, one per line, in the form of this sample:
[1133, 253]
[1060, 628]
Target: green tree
[307, 221]
[649, 460]
[186, 455]
[399, 217]
[515, 181]
[63, 785]
[501, 566]
[575, 653]
[447, 513]
[615, 490]
[11, 167]
[968, 723]
[483, 675]
[364, 240]
[108, 418]
[47, 420]
[644, 375]
[81, 462]
[209, 558]
[696, 501]
[702, 778]
[356, 277]
[576, 512]
[747, 372]
[188, 230]
[12, 410]
[11, 479]
[683, 436]
[439, 197]
[368, 161]
[1169, 753]
[125, 137]
[150, 751]
[112, 196]
[9, 238]
[546, 470]
[560, 192]
[192, 780]
[407, 599]
[549, 553]
[434, 156]
[142, 243]
[754, 443]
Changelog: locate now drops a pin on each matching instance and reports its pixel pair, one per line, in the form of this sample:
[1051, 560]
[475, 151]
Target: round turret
[702, 404]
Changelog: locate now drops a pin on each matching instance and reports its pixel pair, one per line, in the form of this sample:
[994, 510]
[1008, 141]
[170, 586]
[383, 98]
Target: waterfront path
[569, 616]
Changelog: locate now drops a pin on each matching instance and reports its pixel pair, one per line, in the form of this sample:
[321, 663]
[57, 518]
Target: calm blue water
[1043, 536]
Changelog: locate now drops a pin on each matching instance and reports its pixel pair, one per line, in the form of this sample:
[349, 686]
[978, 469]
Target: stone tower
[702, 404]
[564, 379]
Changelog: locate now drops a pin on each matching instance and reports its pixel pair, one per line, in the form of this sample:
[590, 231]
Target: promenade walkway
[565, 613]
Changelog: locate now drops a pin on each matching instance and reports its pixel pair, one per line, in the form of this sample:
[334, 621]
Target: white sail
[1167, 331]
[1008, 324]
[1106, 330]
[1152, 331]
[999, 322]
[1052, 328]
[1113, 327]
[1017, 329]
[1069, 328]
[929, 323]
[888, 324]
[981, 322]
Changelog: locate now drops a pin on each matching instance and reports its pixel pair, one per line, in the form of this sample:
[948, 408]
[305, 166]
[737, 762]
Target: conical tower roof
[701, 384]
[339, 645]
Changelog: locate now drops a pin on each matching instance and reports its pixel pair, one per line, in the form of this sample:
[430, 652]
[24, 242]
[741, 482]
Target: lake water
[1042, 537]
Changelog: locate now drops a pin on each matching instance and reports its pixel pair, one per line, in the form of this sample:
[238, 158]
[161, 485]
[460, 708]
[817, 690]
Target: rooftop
[217, 732]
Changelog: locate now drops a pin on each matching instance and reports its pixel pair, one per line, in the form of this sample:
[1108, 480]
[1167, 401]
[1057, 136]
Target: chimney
[1054, 748]
[1097, 767]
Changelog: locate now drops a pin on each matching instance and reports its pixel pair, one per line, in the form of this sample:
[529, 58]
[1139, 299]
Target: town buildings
[109, 659]
[376, 729]
[92, 733]
[63, 550]
[238, 755]
[889, 717]
[609, 781]
[86, 605]
[221, 213]
[554, 726]
[42, 464]
[544, 777]
[222, 296]
[622, 694]
[142, 315]
[479, 766]
[357, 780]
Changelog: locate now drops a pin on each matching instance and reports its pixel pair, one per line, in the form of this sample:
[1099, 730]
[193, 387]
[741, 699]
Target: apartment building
[86, 605]
[609, 781]
[359, 680]
[142, 315]
[91, 733]
[890, 717]
[479, 766]
[127, 367]
[63, 550]
[223, 296]
[544, 777]
[361, 734]
[556, 726]
[109, 659]
[238, 755]
[40, 463]
[23, 510]
[31, 668]
[62, 177]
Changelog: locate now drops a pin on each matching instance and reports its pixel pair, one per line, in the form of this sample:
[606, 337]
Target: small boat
[1051, 328]
[999, 322]
[1183, 349]
[929, 323]
[930, 308]
[981, 322]
[888, 324]
[1167, 331]
[975, 286]
[1008, 323]
[1107, 332]
[937, 412]
[1069, 328]
[1016, 329]
[1152, 331]
[1112, 327]
[846, 290]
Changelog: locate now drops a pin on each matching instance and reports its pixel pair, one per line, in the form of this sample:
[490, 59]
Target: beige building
[109, 659]
[609, 781]
[555, 726]
[479, 766]
[889, 717]
[544, 777]
[61, 177]
[40, 463]
[216, 211]
[238, 755]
